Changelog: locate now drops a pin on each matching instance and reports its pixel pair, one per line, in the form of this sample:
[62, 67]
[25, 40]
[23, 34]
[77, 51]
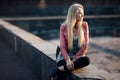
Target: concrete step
[91, 72]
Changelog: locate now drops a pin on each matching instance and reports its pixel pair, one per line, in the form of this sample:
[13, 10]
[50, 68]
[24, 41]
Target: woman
[74, 39]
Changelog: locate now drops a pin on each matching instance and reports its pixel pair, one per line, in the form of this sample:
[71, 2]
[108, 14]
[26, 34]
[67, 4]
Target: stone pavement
[12, 67]
[104, 53]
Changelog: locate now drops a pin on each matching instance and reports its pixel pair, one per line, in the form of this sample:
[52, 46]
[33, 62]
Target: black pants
[80, 63]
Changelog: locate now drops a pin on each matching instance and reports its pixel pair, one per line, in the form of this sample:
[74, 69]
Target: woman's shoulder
[84, 23]
[63, 26]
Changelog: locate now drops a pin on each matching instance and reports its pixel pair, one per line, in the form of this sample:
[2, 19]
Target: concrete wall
[34, 51]
[39, 55]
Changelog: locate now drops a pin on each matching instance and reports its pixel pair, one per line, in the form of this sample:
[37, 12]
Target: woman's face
[79, 14]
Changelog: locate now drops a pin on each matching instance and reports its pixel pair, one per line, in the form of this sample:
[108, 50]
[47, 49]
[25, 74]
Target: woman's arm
[63, 43]
[84, 47]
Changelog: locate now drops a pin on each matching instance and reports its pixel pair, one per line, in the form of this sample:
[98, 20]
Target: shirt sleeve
[63, 43]
[84, 47]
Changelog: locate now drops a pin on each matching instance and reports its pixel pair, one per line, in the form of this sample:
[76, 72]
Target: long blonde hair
[70, 21]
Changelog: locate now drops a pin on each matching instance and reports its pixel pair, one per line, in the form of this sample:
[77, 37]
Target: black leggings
[80, 63]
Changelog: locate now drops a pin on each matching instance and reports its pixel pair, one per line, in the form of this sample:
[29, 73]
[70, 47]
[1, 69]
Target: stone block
[91, 72]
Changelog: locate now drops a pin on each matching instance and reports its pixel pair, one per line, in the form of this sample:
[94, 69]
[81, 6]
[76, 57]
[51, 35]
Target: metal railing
[57, 17]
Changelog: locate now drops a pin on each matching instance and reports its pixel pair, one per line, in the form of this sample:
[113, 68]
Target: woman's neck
[78, 23]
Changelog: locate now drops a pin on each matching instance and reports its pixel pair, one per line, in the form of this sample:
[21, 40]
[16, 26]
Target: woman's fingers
[70, 65]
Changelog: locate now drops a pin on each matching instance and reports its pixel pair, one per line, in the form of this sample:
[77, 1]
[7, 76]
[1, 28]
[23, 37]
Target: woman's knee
[82, 62]
[86, 60]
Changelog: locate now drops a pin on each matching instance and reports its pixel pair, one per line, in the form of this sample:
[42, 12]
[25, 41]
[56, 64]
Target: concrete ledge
[29, 38]
[92, 73]
[39, 54]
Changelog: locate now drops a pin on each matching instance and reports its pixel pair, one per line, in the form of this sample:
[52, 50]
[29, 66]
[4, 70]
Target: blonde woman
[74, 40]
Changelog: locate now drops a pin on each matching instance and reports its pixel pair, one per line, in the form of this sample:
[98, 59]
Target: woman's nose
[81, 15]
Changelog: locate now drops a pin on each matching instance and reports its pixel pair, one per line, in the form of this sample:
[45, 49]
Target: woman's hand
[73, 60]
[70, 65]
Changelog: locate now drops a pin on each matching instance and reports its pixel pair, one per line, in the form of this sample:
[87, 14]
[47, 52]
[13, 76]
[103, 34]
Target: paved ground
[104, 53]
[11, 67]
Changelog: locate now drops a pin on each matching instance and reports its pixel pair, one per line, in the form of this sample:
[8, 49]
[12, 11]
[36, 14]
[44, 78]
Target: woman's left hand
[73, 60]
[70, 65]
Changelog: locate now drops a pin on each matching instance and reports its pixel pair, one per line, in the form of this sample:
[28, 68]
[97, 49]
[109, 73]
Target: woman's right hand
[70, 65]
